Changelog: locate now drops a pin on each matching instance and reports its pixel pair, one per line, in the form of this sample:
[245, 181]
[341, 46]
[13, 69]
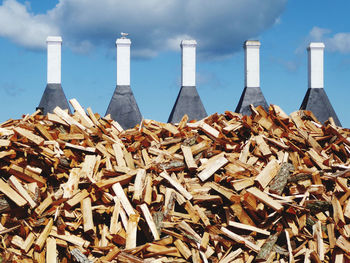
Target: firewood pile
[229, 188]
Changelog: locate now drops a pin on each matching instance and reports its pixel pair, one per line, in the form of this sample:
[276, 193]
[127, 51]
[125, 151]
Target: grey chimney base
[187, 102]
[316, 100]
[251, 95]
[123, 107]
[53, 96]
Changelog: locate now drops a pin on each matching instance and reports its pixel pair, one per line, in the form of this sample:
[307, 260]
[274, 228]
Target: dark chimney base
[53, 96]
[251, 95]
[123, 107]
[316, 100]
[187, 102]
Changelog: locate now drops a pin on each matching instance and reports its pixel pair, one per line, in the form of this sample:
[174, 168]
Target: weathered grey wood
[266, 249]
[279, 182]
[80, 257]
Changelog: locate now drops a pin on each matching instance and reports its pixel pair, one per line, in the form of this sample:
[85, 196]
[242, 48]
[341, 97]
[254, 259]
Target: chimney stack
[316, 99]
[315, 66]
[188, 101]
[252, 63]
[188, 62]
[54, 60]
[123, 61]
[123, 107]
[252, 93]
[53, 95]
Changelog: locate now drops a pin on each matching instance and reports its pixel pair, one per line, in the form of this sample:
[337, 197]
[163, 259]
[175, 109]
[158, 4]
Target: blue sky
[89, 29]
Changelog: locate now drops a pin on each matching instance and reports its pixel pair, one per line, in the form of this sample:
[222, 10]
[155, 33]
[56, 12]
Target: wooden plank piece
[240, 239]
[23, 192]
[149, 220]
[51, 250]
[131, 233]
[30, 135]
[186, 150]
[211, 169]
[176, 185]
[12, 194]
[268, 173]
[139, 185]
[87, 215]
[40, 242]
[119, 192]
[265, 199]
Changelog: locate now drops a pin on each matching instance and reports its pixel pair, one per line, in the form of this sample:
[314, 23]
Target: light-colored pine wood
[87, 169]
[72, 239]
[4, 143]
[68, 119]
[119, 155]
[209, 130]
[183, 248]
[317, 232]
[211, 169]
[76, 199]
[40, 242]
[27, 174]
[44, 132]
[264, 148]
[113, 226]
[119, 192]
[204, 241]
[28, 242]
[228, 193]
[177, 185]
[70, 188]
[231, 256]
[344, 244]
[265, 199]
[148, 189]
[139, 185]
[12, 194]
[149, 220]
[186, 150]
[23, 192]
[131, 232]
[268, 173]
[289, 246]
[240, 239]
[347, 209]
[77, 107]
[87, 215]
[338, 215]
[51, 250]
[249, 228]
[30, 135]
[202, 215]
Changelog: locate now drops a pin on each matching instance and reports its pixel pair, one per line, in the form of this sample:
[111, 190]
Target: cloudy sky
[89, 29]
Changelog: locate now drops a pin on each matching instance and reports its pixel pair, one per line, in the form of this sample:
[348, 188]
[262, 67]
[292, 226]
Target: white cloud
[339, 42]
[220, 27]
[24, 28]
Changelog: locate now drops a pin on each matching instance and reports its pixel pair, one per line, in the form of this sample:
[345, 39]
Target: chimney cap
[313, 45]
[252, 43]
[123, 41]
[54, 39]
[188, 43]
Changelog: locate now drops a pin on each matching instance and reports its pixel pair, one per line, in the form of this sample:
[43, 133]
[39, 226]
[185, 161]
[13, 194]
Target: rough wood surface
[79, 188]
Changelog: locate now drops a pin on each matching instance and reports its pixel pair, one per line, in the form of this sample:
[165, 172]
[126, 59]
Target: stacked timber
[229, 188]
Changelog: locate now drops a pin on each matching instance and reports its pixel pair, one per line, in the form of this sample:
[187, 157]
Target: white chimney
[188, 62]
[252, 63]
[54, 44]
[315, 67]
[123, 61]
